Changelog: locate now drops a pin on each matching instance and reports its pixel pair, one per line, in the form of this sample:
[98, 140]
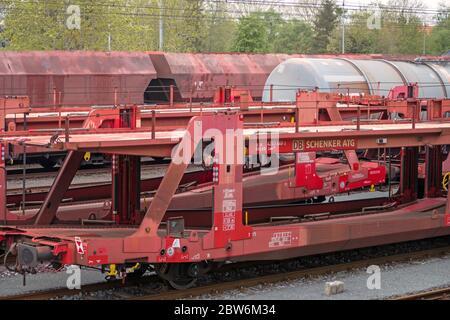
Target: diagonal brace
[169, 184]
[47, 212]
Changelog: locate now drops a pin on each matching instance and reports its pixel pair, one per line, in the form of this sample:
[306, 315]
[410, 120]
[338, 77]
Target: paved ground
[12, 284]
[395, 279]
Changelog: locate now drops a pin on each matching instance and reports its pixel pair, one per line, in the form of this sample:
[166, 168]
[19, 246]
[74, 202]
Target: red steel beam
[169, 184]
[47, 213]
[140, 143]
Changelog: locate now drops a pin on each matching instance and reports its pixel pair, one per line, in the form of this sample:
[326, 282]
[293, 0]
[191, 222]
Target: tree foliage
[252, 34]
[399, 32]
[42, 25]
[217, 26]
[114, 24]
[358, 38]
[294, 37]
[440, 35]
[268, 32]
[325, 23]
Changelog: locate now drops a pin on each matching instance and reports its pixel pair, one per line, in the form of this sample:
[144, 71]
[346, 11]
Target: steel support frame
[227, 211]
[146, 244]
[409, 174]
[126, 182]
[433, 171]
[109, 118]
[60, 185]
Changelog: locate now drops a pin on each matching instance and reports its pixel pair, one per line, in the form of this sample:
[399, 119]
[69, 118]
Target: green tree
[42, 25]
[115, 24]
[251, 34]
[194, 30]
[294, 36]
[358, 38]
[273, 23]
[265, 31]
[133, 25]
[324, 23]
[220, 28]
[400, 34]
[440, 34]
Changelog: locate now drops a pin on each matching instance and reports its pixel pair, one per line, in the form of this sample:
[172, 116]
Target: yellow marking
[133, 268]
[112, 271]
[445, 180]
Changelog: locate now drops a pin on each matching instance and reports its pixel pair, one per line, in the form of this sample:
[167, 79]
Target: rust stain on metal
[52, 78]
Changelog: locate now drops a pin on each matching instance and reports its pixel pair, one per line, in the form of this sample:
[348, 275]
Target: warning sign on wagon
[79, 245]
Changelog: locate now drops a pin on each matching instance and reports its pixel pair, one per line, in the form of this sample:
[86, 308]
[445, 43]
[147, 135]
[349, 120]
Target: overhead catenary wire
[172, 15]
[229, 14]
[269, 4]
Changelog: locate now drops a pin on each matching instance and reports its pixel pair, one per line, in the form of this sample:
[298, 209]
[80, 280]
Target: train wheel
[180, 276]
[182, 284]
[47, 163]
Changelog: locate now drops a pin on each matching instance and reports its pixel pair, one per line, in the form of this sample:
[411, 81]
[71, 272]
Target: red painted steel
[63, 78]
[60, 186]
[257, 190]
[289, 185]
[83, 78]
[198, 75]
[103, 191]
[230, 236]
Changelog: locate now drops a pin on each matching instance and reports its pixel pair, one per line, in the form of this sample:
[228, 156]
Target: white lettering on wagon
[196, 256]
[229, 210]
[322, 144]
[280, 239]
[228, 193]
[229, 221]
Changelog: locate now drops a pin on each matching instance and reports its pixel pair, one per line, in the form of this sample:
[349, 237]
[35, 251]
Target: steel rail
[270, 279]
[60, 292]
[433, 294]
[240, 284]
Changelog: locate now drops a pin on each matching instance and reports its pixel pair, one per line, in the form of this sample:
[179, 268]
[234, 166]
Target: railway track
[51, 294]
[271, 279]
[36, 172]
[240, 284]
[147, 169]
[433, 294]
